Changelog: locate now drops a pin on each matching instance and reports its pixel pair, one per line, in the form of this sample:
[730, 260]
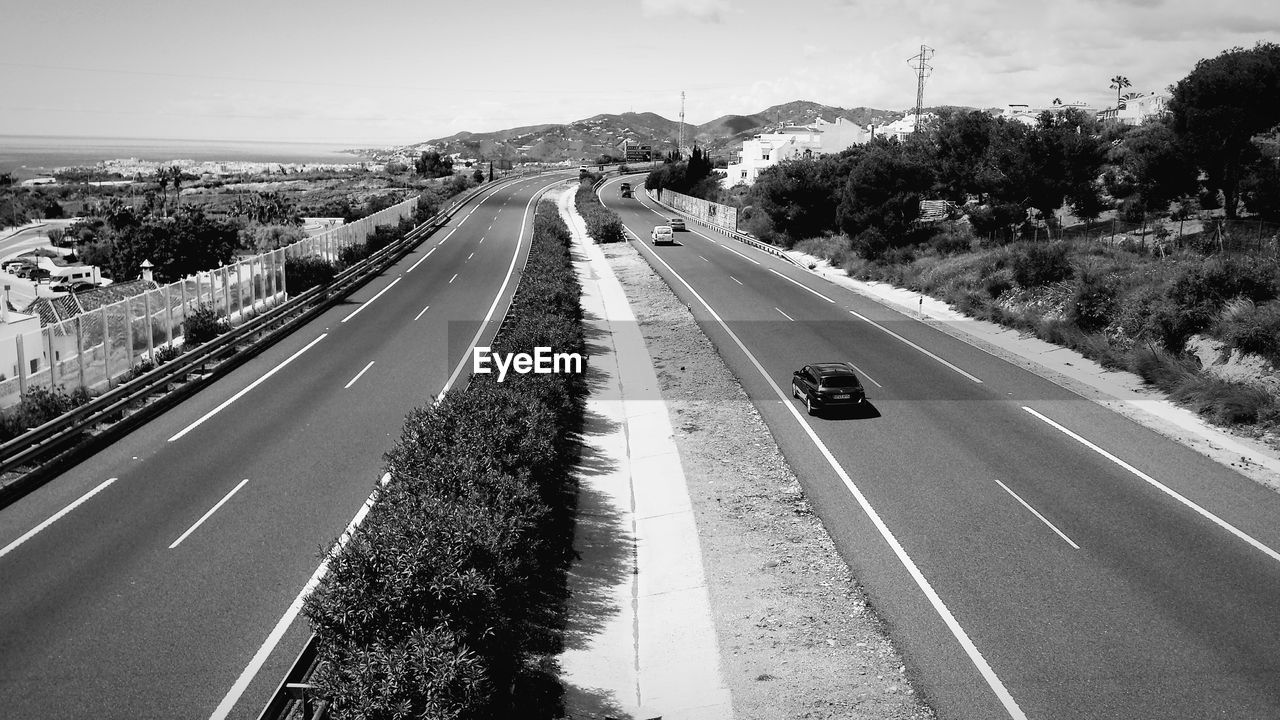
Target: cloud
[709, 10]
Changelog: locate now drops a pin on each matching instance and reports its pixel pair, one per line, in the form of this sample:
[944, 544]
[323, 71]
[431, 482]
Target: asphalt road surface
[1034, 554]
[147, 581]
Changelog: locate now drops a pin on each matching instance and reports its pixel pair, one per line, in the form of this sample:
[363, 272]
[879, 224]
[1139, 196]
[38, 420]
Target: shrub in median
[436, 606]
[603, 224]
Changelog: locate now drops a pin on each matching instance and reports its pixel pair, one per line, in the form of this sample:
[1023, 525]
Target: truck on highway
[624, 190]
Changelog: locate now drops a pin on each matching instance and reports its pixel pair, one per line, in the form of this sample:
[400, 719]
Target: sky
[392, 72]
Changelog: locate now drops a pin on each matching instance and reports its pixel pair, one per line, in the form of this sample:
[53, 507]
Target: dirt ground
[797, 639]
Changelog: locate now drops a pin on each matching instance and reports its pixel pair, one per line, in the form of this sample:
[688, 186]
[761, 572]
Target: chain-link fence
[94, 348]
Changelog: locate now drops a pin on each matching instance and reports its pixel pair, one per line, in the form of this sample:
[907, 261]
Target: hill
[602, 134]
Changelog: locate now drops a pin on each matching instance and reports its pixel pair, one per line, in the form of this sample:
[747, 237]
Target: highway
[149, 581]
[1034, 554]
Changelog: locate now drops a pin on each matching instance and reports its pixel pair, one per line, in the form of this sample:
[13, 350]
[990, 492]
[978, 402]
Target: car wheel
[808, 405]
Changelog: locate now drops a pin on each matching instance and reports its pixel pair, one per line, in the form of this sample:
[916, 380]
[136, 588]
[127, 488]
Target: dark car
[677, 224]
[824, 385]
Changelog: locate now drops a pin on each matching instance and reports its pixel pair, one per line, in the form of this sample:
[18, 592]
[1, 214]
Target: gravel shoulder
[797, 636]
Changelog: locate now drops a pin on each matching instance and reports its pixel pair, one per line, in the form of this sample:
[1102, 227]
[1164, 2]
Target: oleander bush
[603, 224]
[444, 603]
[202, 325]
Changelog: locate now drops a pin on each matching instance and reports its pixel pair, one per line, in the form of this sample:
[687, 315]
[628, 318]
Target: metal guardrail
[734, 234]
[55, 444]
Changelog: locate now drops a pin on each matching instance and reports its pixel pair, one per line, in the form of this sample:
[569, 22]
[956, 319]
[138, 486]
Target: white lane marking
[785, 315]
[801, 285]
[735, 279]
[448, 235]
[424, 311]
[735, 252]
[975, 656]
[245, 391]
[420, 261]
[704, 259]
[470, 256]
[455, 277]
[481, 240]
[357, 377]
[55, 518]
[917, 347]
[206, 516]
[1037, 514]
[1163, 488]
[370, 300]
[865, 375]
[260, 658]
[457, 370]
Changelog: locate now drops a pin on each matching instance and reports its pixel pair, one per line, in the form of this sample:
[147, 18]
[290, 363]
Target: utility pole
[920, 63]
[680, 136]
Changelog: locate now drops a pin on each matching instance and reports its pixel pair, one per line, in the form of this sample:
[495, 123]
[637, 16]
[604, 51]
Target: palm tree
[175, 176]
[162, 177]
[1119, 83]
[1057, 101]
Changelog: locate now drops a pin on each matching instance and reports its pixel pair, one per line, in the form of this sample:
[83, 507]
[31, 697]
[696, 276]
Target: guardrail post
[182, 295]
[80, 352]
[22, 361]
[268, 269]
[198, 300]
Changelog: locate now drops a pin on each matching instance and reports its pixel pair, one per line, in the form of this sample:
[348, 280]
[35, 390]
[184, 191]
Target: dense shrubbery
[603, 224]
[38, 406]
[302, 274]
[202, 325]
[434, 608]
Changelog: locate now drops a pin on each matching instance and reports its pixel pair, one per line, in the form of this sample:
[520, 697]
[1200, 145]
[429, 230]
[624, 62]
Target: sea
[28, 155]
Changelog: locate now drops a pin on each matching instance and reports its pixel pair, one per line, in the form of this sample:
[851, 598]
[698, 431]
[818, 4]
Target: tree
[1152, 165]
[162, 179]
[1057, 101]
[1119, 83]
[1218, 109]
[478, 175]
[432, 165]
[800, 197]
[175, 177]
[884, 189]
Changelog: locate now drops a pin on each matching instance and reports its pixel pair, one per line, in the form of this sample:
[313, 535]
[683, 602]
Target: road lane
[1159, 613]
[99, 616]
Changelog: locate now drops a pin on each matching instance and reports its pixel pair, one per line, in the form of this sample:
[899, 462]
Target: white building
[792, 143]
[1136, 110]
[901, 129]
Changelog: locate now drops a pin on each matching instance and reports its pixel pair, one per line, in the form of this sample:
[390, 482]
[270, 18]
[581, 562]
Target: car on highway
[662, 234]
[676, 223]
[827, 384]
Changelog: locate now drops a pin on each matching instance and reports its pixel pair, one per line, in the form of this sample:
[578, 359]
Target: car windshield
[841, 381]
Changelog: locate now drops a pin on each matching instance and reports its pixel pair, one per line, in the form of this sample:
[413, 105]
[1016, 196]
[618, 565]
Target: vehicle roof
[661, 227]
[832, 369]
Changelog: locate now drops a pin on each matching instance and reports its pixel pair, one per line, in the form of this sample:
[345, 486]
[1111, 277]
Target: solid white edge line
[370, 300]
[784, 314]
[800, 285]
[260, 658]
[243, 392]
[496, 298]
[878, 326]
[56, 517]
[207, 515]
[975, 656]
[421, 260]
[1035, 512]
[357, 377]
[424, 311]
[1163, 488]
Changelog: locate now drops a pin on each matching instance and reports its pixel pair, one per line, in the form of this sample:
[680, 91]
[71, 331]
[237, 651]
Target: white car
[662, 234]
